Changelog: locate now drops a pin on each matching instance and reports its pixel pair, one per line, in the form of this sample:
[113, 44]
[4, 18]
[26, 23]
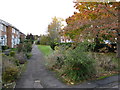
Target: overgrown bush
[53, 44]
[38, 42]
[66, 44]
[106, 61]
[12, 54]
[10, 74]
[10, 70]
[10, 60]
[28, 55]
[78, 65]
[73, 64]
[21, 58]
[56, 59]
[4, 47]
[27, 47]
[20, 47]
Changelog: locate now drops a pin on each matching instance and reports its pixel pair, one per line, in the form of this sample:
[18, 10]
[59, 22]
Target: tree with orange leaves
[95, 20]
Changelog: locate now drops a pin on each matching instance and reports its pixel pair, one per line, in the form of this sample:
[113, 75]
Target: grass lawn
[45, 49]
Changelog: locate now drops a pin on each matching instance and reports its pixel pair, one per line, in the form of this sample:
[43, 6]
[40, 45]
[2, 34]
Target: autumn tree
[54, 29]
[95, 21]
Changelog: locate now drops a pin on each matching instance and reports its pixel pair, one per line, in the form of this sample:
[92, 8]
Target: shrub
[21, 58]
[28, 55]
[5, 47]
[20, 47]
[22, 61]
[12, 54]
[73, 64]
[13, 49]
[9, 69]
[10, 74]
[27, 47]
[66, 44]
[9, 61]
[38, 42]
[52, 45]
[6, 52]
[78, 65]
[55, 60]
[106, 61]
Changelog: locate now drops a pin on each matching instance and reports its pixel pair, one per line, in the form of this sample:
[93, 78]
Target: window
[17, 40]
[13, 30]
[1, 27]
[13, 41]
[3, 40]
[17, 32]
[4, 28]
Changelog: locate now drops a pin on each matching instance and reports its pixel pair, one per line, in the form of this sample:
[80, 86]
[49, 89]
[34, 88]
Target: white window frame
[4, 28]
[12, 40]
[3, 41]
[13, 30]
[17, 32]
[1, 27]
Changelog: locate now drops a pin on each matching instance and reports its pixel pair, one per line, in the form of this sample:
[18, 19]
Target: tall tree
[30, 37]
[54, 29]
[95, 20]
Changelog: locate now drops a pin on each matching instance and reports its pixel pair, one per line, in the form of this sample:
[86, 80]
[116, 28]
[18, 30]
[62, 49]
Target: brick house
[3, 34]
[9, 35]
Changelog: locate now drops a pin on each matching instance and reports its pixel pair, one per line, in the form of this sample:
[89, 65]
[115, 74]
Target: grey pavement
[38, 76]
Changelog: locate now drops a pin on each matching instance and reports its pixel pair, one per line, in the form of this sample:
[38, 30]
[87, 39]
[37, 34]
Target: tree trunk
[118, 46]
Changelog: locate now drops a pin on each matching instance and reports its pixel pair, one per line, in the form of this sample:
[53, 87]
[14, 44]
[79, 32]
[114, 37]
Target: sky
[33, 16]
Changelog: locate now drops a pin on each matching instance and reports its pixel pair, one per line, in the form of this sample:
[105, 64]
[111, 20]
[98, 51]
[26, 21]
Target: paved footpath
[38, 76]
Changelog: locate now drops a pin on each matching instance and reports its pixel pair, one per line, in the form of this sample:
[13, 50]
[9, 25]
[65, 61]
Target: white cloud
[33, 16]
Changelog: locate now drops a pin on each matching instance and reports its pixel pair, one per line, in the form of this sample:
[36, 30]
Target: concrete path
[109, 82]
[37, 76]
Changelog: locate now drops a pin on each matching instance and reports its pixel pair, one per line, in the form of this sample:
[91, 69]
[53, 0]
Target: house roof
[22, 33]
[8, 24]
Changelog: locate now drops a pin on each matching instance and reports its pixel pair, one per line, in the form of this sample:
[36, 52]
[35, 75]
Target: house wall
[15, 37]
[9, 35]
[3, 35]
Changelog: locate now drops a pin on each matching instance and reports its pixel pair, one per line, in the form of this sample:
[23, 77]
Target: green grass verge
[45, 49]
